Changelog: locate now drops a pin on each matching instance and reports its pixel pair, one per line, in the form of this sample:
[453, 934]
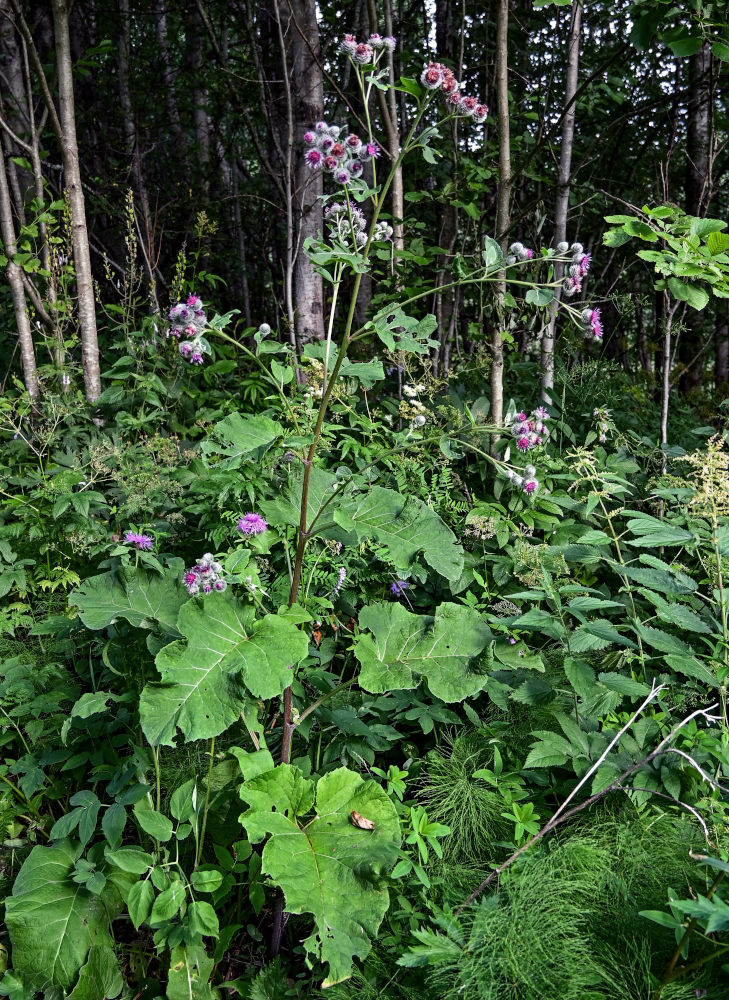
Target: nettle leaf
[597, 635]
[405, 647]
[143, 598]
[650, 531]
[240, 438]
[205, 678]
[406, 527]
[53, 921]
[664, 642]
[325, 865]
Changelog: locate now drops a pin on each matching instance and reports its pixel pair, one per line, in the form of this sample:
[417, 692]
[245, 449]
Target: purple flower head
[389, 42]
[197, 358]
[341, 175]
[322, 128]
[584, 264]
[523, 443]
[363, 54]
[375, 40]
[432, 76]
[185, 348]
[340, 580]
[541, 414]
[194, 302]
[353, 143]
[356, 169]
[330, 163]
[251, 524]
[326, 144]
[349, 45]
[313, 159]
[596, 324]
[530, 486]
[399, 587]
[309, 138]
[480, 114]
[220, 585]
[521, 416]
[142, 542]
[373, 150]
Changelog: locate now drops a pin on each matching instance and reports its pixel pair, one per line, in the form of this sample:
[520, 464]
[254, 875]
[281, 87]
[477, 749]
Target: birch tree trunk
[503, 202]
[563, 191]
[75, 195]
[15, 280]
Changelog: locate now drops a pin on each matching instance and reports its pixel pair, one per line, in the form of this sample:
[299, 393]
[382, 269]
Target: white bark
[75, 195]
[563, 190]
[503, 202]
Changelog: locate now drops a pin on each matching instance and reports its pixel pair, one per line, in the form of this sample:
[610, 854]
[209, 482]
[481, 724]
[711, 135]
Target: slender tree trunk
[15, 280]
[563, 191]
[307, 96]
[698, 158]
[503, 203]
[165, 62]
[81, 255]
[721, 341]
[669, 311]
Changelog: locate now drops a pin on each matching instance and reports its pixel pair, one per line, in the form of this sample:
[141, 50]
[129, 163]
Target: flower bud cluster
[411, 408]
[518, 252]
[436, 76]
[578, 268]
[528, 482]
[188, 319]
[603, 420]
[341, 156]
[592, 324]
[363, 53]
[205, 576]
[530, 431]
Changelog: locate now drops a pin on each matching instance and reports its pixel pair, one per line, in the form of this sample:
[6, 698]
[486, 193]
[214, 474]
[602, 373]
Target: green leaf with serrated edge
[139, 902]
[143, 598]
[664, 642]
[100, 976]
[326, 866]
[203, 679]
[691, 667]
[580, 675]
[240, 438]
[684, 618]
[624, 685]
[53, 921]
[286, 508]
[651, 531]
[190, 971]
[404, 647]
[406, 527]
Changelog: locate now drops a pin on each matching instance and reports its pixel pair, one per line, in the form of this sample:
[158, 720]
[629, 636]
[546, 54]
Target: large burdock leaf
[53, 921]
[406, 527]
[239, 438]
[403, 648]
[144, 598]
[204, 679]
[324, 864]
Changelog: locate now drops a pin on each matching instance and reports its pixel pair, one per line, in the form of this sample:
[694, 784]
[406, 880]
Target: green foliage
[327, 866]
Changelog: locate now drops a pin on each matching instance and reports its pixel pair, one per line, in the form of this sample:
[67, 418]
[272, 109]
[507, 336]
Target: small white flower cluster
[411, 408]
[602, 417]
[347, 222]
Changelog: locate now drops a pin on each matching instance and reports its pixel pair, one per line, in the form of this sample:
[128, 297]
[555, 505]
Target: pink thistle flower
[185, 348]
[321, 127]
[197, 358]
[467, 105]
[375, 40]
[309, 138]
[190, 577]
[326, 143]
[389, 42]
[142, 542]
[528, 254]
[341, 175]
[194, 301]
[190, 331]
[330, 163]
[313, 159]
[369, 151]
[353, 142]
[449, 84]
[596, 324]
[338, 150]
[432, 76]
[521, 416]
[251, 524]
[480, 114]
[530, 486]
[363, 54]
[541, 413]
[584, 264]
[453, 99]
[356, 170]
[523, 443]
